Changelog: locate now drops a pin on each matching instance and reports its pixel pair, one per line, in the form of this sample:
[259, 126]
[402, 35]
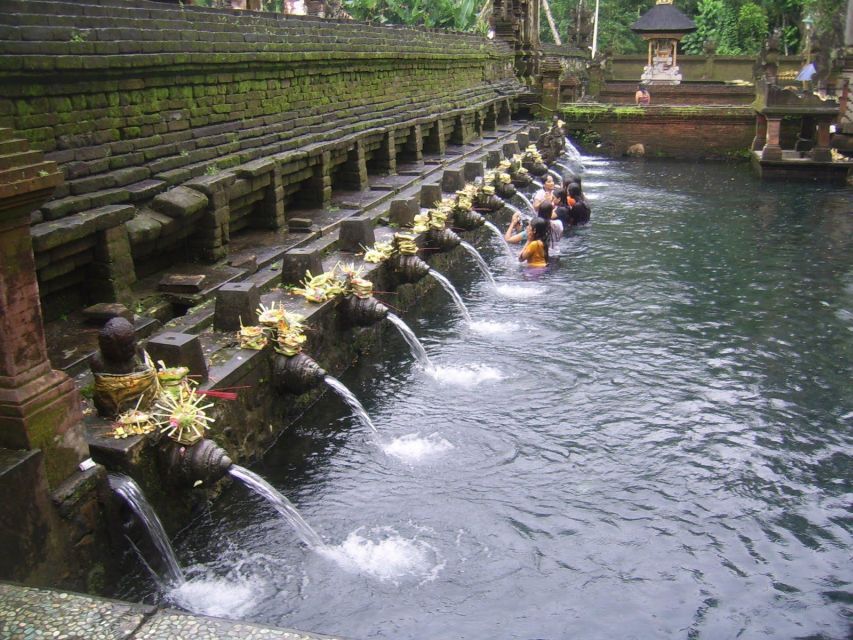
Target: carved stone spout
[362, 312]
[521, 180]
[490, 203]
[205, 461]
[408, 268]
[296, 374]
[538, 169]
[468, 220]
[443, 239]
[505, 190]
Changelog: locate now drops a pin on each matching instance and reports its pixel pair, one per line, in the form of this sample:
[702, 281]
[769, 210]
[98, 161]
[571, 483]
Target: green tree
[752, 28]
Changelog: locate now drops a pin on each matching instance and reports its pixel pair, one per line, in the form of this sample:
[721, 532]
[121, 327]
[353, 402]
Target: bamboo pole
[551, 22]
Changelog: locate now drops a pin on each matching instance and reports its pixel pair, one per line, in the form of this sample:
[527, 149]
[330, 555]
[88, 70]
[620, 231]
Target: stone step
[16, 159]
[13, 145]
[24, 171]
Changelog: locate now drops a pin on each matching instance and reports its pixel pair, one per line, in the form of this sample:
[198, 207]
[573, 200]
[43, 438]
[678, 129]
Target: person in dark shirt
[579, 213]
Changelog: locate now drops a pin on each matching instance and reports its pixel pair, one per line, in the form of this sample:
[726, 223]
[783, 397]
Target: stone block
[523, 140]
[452, 180]
[300, 225]
[180, 202]
[236, 303]
[510, 149]
[430, 194]
[493, 159]
[103, 311]
[179, 350]
[180, 283]
[472, 171]
[355, 233]
[403, 212]
[296, 262]
[534, 132]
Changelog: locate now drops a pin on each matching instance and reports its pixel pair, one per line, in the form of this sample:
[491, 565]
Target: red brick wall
[726, 134]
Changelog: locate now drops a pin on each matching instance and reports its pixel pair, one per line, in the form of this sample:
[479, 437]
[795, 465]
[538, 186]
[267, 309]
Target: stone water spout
[443, 239]
[408, 268]
[468, 220]
[490, 202]
[362, 312]
[296, 374]
[505, 190]
[205, 461]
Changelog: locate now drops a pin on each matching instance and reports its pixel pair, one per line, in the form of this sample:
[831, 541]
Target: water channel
[660, 449]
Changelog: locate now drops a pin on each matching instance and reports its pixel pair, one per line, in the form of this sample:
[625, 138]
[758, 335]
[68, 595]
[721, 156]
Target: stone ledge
[49, 235]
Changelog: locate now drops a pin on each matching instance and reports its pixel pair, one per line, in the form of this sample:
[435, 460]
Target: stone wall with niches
[178, 126]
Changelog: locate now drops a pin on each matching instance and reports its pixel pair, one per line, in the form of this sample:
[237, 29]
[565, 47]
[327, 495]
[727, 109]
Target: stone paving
[27, 613]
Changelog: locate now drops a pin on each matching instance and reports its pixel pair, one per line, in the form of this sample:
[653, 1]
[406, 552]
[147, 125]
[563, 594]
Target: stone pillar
[772, 150]
[39, 407]
[821, 151]
[213, 230]
[551, 70]
[434, 142]
[265, 175]
[385, 157]
[113, 270]
[413, 150]
[353, 174]
[760, 138]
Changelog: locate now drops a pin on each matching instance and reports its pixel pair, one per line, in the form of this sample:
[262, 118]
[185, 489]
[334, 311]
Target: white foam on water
[490, 327]
[413, 447]
[218, 597]
[468, 376]
[388, 558]
[519, 291]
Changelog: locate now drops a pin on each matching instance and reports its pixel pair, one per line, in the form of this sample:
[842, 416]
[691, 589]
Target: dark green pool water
[651, 441]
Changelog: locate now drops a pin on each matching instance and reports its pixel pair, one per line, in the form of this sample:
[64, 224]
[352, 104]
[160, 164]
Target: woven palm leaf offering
[133, 422]
[320, 288]
[253, 337]
[405, 244]
[183, 416]
[170, 378]
[379, 252]
[354, 284]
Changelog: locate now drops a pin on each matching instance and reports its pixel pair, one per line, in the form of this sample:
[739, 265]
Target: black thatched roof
[663, 18]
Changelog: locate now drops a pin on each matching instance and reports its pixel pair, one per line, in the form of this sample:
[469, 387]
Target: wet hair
[541, 231]
[545, 210]
[560, 194]
[641, 87]
[548, 177]
[568, 179]
[575, 191]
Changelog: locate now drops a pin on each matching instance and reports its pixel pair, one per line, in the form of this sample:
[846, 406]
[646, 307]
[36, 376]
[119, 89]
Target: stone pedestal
[39, 407]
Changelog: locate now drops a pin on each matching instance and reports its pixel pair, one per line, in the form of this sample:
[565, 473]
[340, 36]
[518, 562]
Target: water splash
[536, 183]
[387, 559]
[415, 346]
[520, 292]
[414, 448]
[491, 327]
[484, 267]
[469, 376]
[281, 504]
[448, 286]
[131, 493]
[500, 236]
[558, 179]
[352, 402]
[218, 597]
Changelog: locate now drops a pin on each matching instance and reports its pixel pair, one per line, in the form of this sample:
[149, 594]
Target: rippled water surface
[651, 441]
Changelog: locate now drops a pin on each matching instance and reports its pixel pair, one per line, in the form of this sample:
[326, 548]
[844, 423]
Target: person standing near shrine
[642, 97]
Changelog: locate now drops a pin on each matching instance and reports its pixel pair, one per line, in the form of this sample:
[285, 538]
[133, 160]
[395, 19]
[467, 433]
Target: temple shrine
[663, 26]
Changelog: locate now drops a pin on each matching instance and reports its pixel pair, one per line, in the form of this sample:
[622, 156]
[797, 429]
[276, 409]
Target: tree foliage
[447, 14]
